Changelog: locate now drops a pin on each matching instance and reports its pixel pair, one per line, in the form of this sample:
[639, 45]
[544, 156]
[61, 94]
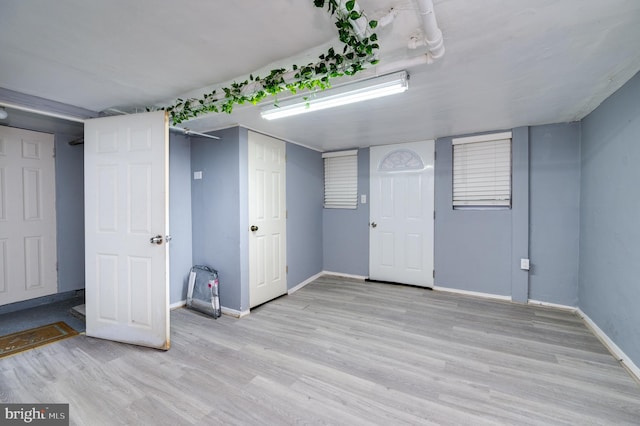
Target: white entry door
[401, 213]
[267, 219]
[27, 215]
[126, 224]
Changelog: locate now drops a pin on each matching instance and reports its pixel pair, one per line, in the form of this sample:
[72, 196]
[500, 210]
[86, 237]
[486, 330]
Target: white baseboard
[611, 346]
[227, 311]
[472, 293]
[305, 282]
[340, 274]
[177, 305]
[234, 313]
[552, 305]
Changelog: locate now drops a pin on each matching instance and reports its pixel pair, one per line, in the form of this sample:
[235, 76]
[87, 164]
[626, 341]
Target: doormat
[21, 341]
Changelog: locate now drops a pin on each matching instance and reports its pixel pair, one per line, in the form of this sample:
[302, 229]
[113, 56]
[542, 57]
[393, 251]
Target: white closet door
[267, 218]
[27, 215]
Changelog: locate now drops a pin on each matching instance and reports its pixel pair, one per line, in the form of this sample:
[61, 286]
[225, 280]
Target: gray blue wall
[180, 254]
[215, 206]
[479, 250]
[555, 213]
[346, 232]
[220, 212]
[609, 287]
[69, 213]
[305, 188]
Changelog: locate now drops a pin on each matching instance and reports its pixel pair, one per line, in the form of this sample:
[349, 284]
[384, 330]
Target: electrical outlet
[363, 198]
[524, 264]
[197, 175]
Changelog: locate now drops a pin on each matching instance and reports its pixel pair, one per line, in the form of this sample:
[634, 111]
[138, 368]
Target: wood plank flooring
[341, 351]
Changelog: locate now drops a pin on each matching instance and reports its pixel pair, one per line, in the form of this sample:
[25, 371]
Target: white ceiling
[508, 63]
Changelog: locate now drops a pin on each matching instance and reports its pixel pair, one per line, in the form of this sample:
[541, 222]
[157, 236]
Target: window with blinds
[482, 170]
[341, 179]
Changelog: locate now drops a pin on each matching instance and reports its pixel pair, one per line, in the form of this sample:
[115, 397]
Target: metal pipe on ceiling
[41, 112]
[191, 132]
[433, 38]
[184, 130]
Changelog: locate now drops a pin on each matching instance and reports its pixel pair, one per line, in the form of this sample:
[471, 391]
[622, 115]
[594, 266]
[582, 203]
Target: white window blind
[341, 179]
[482, 170]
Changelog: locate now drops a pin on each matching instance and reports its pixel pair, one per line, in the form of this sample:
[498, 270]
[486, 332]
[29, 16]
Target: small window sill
[481, 207]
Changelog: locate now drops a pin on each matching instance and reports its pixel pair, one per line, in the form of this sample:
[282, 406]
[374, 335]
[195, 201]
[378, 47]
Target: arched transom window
[401, 160]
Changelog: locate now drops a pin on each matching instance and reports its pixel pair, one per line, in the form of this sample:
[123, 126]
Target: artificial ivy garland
[357, 52]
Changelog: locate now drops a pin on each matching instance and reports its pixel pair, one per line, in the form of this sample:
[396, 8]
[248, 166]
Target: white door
[27, 215]
[267, 219]
[126, 224]
[401, 213]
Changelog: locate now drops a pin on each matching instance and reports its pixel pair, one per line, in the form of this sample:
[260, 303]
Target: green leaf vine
[358, 51]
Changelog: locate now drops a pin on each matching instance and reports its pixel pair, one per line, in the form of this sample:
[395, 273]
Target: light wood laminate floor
[341, 351]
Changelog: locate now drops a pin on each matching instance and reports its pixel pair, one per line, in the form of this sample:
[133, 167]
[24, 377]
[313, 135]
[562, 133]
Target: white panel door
[401, 213]
[267, 219]
[27, 215]
[126, 224]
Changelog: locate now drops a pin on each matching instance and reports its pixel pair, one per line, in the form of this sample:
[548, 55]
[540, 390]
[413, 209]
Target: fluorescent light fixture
[377, 87]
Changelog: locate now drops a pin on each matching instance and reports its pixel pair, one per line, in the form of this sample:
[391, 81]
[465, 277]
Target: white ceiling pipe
[387, 18]
[188, 132]
[183, 130]
[432, 34]
[359, 25]
[42, 112]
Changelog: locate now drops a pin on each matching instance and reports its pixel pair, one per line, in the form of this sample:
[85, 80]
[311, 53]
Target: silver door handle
[373, 224]
[156, 240]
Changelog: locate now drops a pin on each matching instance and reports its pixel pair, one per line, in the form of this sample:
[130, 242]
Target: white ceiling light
[3, 114]
[350, 93]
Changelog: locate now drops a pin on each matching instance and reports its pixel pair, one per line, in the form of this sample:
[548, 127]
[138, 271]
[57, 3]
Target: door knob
[254, 228]
[156, 240]
[373, 224]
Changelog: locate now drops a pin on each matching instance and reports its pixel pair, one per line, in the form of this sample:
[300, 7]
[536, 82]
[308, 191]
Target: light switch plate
[524, 264]
[363, 199]
[197, 175]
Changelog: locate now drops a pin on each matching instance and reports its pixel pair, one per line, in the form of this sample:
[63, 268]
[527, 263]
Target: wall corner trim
[177, 305]
[304, 283]
[615, 350]
[234, 313]
[520, 220]
[552, 305]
